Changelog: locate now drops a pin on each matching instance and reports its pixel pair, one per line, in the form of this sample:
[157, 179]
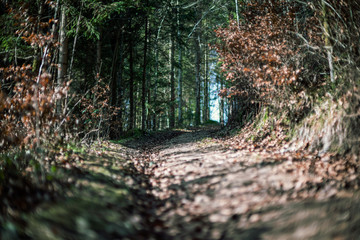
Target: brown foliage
[263, 56]
[24, 101]
[27, 94]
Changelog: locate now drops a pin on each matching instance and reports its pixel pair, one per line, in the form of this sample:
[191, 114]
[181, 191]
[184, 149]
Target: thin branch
[69, 112]
[306, 41]
[329, 5]
[202, 17]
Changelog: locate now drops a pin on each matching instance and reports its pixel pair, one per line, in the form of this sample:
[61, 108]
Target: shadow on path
[181, 185]
[108, 200]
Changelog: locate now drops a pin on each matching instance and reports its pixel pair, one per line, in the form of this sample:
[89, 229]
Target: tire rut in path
[209, 192]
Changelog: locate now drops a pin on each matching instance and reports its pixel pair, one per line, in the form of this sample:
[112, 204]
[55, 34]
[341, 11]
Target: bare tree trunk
[222, 103]
[131, 87]
[98, 54]
[180, 113]
[150, 108]
[197, 77]
[63, 52]
[119, 102]
[98, 64]
[206, 86]
[148, 95]
[143, 86]
[136, 102]
[114, 70]
[156, 81]
[237, 12]
[172, 80]
[328, 47]
[197, 45]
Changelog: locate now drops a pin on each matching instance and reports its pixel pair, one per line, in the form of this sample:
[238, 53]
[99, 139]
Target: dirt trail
[210, 192]
[187, 185]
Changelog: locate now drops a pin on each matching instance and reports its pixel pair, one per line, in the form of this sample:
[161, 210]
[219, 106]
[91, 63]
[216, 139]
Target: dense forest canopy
[99, 69]
[120, 65]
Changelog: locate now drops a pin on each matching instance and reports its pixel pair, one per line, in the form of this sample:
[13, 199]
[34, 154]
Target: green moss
[76, 148]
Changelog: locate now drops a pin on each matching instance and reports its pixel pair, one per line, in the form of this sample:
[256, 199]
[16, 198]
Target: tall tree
[63, 51]
[172, 65]
[180, 72]
[222, 102]
[172, 80]
[206, 112]
[143, 86]
[131, 82]
[197, 45]
[119, 103]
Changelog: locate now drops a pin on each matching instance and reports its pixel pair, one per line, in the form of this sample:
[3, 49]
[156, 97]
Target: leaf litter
[197, 184]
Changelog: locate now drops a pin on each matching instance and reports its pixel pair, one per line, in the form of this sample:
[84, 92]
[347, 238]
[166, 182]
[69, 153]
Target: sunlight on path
[185, 185]
[213, 193]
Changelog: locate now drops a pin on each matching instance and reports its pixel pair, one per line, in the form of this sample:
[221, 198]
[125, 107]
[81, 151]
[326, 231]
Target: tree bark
[180, 113]
[119, 102]
[114, 70]
[206, 87]
[237, 12]
[156, 81]
[197, 77]
[63, 52]
[155, 122]
[172, 81]
[328, 47]
[143, 86]
[98, 54]
[222, 102]
[131, 84]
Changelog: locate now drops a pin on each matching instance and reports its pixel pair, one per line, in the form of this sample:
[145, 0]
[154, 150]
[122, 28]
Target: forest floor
[193, 184]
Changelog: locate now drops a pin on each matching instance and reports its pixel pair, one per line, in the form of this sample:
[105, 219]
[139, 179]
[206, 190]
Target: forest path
[210, 192]
[187, 184]
[106, 199]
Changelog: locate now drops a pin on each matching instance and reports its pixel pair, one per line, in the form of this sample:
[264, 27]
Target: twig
[88, 133]
[69, 112]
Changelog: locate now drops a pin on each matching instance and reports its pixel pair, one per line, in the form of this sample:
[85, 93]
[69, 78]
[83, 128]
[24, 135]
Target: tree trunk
[143, 86]
[63, 53]
[156, 82]
[119, 102]
[72, 59]
[180, 113]
[222, 103]
[150, 108]
[98, 64]
[131, 84]
[98, 54]
[114, 70]
[206, 86]
[172, 80]
[197, 77]
[328, 47]
[237, 12]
